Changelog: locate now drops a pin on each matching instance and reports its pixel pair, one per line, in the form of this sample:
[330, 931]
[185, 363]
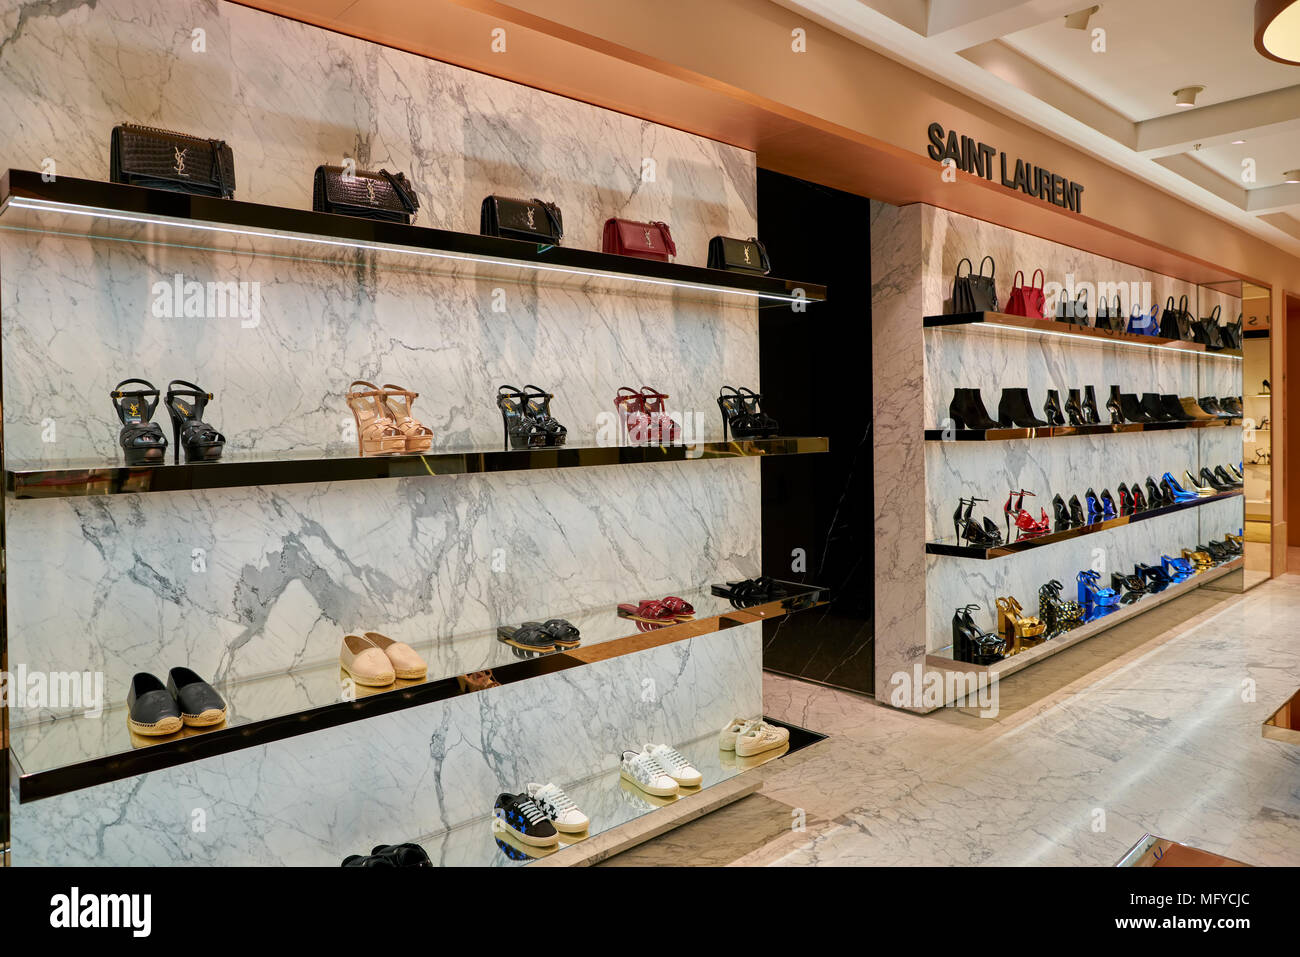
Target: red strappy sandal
[680, 608]
[649, 610]
[631, 409]
[663, 428]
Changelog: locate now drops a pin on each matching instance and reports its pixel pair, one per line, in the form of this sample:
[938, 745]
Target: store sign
[971, 156]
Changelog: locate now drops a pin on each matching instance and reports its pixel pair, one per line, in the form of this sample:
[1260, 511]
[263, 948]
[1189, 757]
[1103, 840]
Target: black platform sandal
[754, 408]
[142, 439]
[538, 405]
[202, 442]
[742, 414]
[518, 430]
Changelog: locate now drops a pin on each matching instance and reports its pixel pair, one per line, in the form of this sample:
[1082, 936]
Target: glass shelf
[235, 471]
[942, 658]
[60, 753]
[607, 800]
[954, 550]
[131, 214]
[1048, 327]
[1069, 431]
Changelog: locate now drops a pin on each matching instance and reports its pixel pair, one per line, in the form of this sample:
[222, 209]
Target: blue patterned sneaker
[521, 816]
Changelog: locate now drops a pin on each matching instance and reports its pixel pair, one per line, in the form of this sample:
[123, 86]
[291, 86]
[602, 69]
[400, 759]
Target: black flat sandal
[528, 637]
[202, 442]
[538, 404]
[562, 633]
[758, 589]
[142, 439]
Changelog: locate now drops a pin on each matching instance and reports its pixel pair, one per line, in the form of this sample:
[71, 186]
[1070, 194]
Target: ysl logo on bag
[531, 214]
[747, 259]
[180, 160]
[648, 243]
[370, 190]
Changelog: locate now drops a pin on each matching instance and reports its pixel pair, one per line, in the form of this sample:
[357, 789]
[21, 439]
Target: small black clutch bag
[739, 255]
[370, 195]
[161, 159]
[531, 220]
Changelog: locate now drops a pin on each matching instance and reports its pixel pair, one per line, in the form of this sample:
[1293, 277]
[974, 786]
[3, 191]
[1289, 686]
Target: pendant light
[1277, 30]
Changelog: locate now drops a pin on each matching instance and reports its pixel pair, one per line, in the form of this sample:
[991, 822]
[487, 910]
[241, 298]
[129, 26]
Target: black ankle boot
[1130, 405]
[1172, 406]
[1052, 408]
[1153, 407]
[1014, 409]
[967, 410]
[1114, 408]
[1073, 409]
[1090, 406]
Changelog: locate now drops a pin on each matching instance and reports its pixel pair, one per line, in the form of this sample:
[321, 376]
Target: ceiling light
[1277, 30]
[1291, 176]
[1237, 142]
[1079, 19]
[1187, 95]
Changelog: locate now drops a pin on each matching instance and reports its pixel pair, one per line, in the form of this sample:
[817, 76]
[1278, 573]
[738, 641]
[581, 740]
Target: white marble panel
[314, 799]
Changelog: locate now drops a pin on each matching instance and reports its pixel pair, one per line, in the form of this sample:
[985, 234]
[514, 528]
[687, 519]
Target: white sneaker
[727, 737]
[759, 736]
[557, 805]
[678, 768]
[641, 769]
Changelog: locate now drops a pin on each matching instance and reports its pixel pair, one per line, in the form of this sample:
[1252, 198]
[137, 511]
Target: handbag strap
[551, 209]
[403, 196]
[992, 271]
[1042, 282]
[1183, 306]
[219, 172]
[1018, 279]
[1216, 313]
[667, 237]
[762, 254]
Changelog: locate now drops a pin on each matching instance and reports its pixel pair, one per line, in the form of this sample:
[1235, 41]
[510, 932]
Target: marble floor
[1151, 727]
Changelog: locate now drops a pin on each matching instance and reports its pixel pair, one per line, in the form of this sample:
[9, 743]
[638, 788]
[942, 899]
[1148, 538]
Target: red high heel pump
[1026, 527]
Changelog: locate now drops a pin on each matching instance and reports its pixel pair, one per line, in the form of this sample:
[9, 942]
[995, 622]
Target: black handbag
[974, 292]
[161, 159]
[383, 195]
[1231, 332]
[1176, 321]
[531, 220]
[739, 255]
[1111, 318]
[1075, 312]
[1207, 330]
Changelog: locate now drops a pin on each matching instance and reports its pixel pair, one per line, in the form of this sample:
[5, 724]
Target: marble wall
[285, 571]
[918, 249]
[314, 799]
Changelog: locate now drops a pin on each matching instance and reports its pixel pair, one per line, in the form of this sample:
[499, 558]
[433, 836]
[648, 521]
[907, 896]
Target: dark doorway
[816, 375]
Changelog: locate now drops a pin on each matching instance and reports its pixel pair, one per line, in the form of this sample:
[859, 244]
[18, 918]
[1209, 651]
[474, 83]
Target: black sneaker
[521, 816]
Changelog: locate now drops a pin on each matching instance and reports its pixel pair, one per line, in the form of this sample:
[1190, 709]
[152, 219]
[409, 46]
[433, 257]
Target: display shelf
[607, 800]
[238, 471]
[58, 754]
[1284, 723]
[132, 214]
[942, 658]
[1046, 327]
[1071, 431]
[954, 550]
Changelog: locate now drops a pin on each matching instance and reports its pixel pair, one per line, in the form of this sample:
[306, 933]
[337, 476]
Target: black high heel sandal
[742, 413]
[972, 532]
[142, 439]
[970, 643]
[202, 442]
[518, 430]
[538, 405]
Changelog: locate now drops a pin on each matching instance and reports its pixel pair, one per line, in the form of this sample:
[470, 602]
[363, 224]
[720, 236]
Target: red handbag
[1027, 300]
[643, 240]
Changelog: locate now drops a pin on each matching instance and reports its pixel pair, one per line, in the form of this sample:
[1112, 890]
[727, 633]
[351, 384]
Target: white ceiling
[1154, 47]
[1018, 56]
